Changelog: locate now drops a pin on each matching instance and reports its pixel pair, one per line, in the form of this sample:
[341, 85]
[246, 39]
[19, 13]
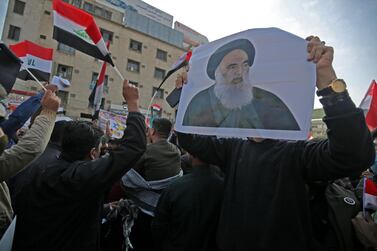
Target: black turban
[220, 53]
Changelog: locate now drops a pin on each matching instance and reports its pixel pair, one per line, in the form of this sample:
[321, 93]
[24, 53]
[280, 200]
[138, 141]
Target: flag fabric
[95, 97]
[369, 106]
[76, 28]
[182, 61]
[10, 66]
[35, 58]
[370, 194]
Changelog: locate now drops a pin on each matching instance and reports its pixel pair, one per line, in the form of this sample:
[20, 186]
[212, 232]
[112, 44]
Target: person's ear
[93, 153]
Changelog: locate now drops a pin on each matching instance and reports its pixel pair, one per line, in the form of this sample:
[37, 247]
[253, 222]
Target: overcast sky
[350, 26]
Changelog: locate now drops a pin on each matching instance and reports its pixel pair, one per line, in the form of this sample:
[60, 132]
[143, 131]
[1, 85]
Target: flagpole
[118, 72]
[32, 75]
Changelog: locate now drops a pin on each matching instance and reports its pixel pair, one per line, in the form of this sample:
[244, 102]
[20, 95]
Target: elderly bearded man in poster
[232, 101]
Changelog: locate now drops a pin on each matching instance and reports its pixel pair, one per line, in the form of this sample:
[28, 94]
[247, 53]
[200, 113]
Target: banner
[117, 123]
[256, 83]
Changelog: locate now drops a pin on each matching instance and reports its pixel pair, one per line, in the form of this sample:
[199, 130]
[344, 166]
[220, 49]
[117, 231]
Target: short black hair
[79, 138]
[162, 126]
[57, 133]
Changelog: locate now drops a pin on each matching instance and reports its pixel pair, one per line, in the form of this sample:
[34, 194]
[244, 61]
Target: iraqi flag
[95, 97]
[35, 58]
[10, 66]
[370, 194]
[369, 106]
[181, 62]
[77, 29]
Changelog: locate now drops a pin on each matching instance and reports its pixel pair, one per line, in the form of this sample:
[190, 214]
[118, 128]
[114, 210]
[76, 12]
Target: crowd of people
[72, 187]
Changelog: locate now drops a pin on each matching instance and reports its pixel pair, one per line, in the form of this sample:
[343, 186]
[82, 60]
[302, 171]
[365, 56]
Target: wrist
[133, 106]
[48, 112]
[324, 78]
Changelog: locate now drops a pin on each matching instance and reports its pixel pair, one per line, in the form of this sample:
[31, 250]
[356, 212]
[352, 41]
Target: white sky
[350, 26]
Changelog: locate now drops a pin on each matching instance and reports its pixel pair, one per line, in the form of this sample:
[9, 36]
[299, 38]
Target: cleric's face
[234, 66]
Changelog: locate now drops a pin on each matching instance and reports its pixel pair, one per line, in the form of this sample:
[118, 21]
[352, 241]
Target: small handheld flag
[369, 106]
[10, 66]
[37, 59]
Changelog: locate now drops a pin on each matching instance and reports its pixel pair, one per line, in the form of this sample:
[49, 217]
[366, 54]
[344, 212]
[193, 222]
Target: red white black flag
[35, 58]
[369, 106]
[76, 28]
[9, 67]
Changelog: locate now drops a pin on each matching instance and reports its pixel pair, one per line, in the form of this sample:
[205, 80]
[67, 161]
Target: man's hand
[50, 101]
[131, 95]
[366, 230]
[181, 80]
[52, 88]
[322, 56]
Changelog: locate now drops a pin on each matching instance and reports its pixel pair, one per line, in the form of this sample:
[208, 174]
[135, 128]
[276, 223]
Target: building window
[64, 71]
[160, 93]
[97, 10]
[163, 55]
[159, 73]
[19, 7]
[63, 95]
[76, 3]
[14, 32]
[88, 7]
[94, 81]
[66, 49]
[135, 45]
[133, 66]
[107, 35]
[107, 14]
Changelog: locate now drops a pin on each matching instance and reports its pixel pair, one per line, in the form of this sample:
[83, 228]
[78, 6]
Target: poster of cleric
[257, 81]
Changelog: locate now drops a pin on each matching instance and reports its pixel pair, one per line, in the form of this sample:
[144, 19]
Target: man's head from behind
[229, 67]
[161, 129]
[81, 141]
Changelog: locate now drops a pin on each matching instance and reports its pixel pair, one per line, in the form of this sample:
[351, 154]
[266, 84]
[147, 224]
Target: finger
[311, 54]
[309, 38]
[368, 217]
[318, 53]
[312, 44]
[184, 77]
[178, 83]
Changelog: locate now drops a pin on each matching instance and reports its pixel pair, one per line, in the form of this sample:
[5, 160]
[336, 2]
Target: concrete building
[142, 49]
[318, 127]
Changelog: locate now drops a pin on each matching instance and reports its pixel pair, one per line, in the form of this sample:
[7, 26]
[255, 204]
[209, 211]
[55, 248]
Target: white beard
[233, 96]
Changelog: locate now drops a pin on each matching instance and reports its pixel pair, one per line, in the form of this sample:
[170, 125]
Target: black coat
[60, 208]
[265, 203]
[188, 210]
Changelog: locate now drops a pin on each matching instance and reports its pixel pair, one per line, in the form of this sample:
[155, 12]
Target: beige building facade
[141, 58]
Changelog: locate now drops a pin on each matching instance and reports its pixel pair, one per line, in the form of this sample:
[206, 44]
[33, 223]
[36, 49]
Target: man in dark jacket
[51, 152]
[187, 213]
[60, 209]
[265, 204]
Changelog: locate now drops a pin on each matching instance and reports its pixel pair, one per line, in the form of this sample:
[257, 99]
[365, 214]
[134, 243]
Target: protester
[265, 203]
[51, 152]
[156, 169]
[188, 210]
[161, 160]
[60, 208]
[28, 148]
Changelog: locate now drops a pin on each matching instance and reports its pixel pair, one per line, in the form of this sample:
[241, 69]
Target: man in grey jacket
[30, 146]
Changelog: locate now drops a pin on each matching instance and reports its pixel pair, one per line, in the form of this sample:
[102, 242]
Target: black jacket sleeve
[101, 173]
[348, 149]
[209, 149]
